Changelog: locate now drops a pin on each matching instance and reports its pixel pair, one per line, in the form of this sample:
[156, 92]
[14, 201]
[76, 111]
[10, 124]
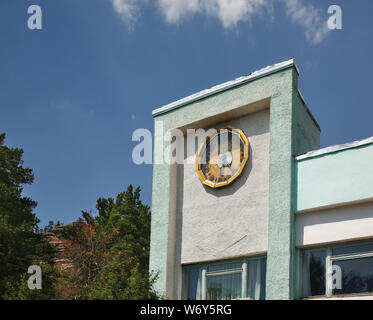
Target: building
[296, 222]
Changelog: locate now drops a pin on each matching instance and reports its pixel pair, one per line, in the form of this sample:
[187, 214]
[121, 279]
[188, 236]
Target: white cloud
[309, 18]
[128, 10]
[229, 12]
[175, 11]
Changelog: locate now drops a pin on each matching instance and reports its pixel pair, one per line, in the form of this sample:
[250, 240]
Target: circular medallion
[222, 157]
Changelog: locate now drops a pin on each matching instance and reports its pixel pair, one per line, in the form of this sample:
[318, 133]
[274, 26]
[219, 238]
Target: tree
[20, 244]
[87, 247]
[110, 252]
[51, 225]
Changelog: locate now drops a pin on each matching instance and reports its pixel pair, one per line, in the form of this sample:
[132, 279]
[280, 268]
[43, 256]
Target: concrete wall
[346, 223]
[334, 178]
[230, 221]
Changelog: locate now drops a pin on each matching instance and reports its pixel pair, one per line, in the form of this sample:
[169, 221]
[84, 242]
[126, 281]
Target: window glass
[314, 272]
[356, 275]
[224, 280]
[263, 279]
[224, 266]
[256, 278]
[361, 248]
[194, 283]
[224, 287]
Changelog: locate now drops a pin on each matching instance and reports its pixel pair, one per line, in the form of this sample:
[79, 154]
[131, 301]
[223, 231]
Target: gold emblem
[222, 157]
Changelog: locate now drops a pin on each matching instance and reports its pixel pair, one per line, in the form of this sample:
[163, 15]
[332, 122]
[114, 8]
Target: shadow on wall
[259, 125]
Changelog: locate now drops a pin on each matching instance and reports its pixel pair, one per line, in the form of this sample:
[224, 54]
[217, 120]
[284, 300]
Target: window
[339, 269]
[314, 271]
[243, 278]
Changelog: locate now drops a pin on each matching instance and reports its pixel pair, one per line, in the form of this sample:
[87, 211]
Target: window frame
[243, 270]
[329, 259]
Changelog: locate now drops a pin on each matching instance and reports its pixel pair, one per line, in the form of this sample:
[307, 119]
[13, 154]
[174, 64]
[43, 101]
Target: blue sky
[72, 93]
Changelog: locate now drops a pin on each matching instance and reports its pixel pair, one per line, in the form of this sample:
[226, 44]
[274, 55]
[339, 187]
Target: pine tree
[20, 244]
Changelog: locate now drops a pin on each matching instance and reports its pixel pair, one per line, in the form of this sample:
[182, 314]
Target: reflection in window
[351, 270]
[314, 273]
[353, 249]
[357, 275]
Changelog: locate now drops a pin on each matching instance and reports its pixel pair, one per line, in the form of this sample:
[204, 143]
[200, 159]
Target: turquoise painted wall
[334, 178]
[292, 132]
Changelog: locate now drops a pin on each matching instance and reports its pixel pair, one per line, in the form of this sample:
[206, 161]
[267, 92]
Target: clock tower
[224, 215]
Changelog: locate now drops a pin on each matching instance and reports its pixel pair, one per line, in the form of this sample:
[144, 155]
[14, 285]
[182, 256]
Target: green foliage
[21, 291]
[20, 244]
[110, 252]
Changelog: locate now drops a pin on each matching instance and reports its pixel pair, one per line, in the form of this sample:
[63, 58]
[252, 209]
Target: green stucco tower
[293, 131]
[192, 224]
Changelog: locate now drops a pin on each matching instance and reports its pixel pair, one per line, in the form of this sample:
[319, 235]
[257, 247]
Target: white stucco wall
[230, 221]
[351, 222]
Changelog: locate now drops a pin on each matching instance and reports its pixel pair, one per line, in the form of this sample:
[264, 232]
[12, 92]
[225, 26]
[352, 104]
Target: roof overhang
[335, 148]
[225, 86]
